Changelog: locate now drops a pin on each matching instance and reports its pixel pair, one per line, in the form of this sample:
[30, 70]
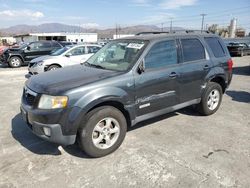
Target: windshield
[60, 51]
[117, 55]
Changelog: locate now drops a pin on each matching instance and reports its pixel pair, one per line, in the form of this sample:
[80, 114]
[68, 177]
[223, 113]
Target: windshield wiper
[93, 65]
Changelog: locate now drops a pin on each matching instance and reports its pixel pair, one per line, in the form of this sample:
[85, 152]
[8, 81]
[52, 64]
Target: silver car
[67, 56]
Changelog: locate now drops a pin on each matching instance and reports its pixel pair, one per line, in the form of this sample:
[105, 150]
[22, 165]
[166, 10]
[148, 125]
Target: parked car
[127, 81]
[67, 56]
[238, 48]
[67, 43]
[16, 57]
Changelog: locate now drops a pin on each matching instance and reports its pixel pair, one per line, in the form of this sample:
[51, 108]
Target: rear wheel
[53, 67]
[102, 132]
[15, 62]
[211, 99]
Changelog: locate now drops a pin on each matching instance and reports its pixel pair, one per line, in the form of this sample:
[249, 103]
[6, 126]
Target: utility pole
[171, 25]
[161, 27]
[116, 31]
[202, 21]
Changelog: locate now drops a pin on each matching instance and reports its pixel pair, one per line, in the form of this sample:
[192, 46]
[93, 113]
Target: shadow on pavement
[239, 96]
[33, 143]
[26, 138]
[242, 70]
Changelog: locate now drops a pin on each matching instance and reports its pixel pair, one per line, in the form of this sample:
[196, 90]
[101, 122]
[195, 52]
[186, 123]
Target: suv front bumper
[50, 132]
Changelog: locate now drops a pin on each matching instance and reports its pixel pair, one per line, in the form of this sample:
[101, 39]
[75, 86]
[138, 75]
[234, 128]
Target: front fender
[93, 98]
[100, 95]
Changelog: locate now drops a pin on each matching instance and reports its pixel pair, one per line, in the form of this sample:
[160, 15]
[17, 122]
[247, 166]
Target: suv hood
[13, 49]
[57, 81]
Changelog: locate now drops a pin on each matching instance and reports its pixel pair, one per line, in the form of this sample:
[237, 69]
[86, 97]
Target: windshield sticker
[135, 45]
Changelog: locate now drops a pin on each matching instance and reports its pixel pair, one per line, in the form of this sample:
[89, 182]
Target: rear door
[45, 48]
[157, 88]
[194, 68]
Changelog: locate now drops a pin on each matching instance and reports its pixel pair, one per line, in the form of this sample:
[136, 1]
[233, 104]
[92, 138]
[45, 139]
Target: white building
[7, 40]
[72, 37]
[118, 36]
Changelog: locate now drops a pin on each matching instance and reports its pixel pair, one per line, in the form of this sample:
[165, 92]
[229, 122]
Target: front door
[31, 51]
[75, 55]
[157, 88]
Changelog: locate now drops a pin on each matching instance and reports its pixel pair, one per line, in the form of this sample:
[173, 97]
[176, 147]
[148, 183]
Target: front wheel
[15, 62]
[211, 99]
[102, 132]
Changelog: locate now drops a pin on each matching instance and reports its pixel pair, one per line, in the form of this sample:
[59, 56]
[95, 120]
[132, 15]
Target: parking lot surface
[180, 149]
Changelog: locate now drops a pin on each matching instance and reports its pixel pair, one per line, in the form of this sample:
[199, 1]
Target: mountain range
[58, 27]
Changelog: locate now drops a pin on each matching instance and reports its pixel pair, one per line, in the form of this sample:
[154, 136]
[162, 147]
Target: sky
[108, 13]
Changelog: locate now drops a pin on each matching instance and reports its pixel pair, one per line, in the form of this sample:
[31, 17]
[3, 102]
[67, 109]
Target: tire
[96, 138]
[211, 99]
[53, 67]
[15, 62]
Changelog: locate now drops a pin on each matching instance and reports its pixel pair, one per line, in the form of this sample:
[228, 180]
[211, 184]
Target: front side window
[117, 55]
[34, 46]
[192, 50]
[161, 54]
[77, 51]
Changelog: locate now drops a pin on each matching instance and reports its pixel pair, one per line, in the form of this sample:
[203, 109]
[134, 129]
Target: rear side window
[215, 46]
[192, 49]
[161, 55]
[44, 45]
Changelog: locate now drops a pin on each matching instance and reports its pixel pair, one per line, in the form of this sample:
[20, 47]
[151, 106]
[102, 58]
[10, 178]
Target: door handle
[173, 75]
[206, 67]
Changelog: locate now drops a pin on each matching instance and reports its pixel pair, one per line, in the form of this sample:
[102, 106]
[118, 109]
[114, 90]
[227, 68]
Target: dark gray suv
[127, 81]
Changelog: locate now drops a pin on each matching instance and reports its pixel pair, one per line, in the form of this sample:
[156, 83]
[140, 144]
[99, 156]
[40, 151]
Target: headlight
[39, 63]
[52, 102]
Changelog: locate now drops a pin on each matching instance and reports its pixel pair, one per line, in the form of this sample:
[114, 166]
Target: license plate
[24, 115]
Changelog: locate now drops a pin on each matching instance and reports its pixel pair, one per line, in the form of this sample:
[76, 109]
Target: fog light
[47, 131]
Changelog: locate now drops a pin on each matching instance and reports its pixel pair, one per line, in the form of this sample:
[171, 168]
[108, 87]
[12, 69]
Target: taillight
[230, 65]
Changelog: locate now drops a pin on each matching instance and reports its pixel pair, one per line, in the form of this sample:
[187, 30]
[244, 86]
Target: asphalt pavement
[180, 149]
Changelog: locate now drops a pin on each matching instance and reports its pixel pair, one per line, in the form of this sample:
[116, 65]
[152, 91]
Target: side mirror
[68, 55]
[141, 67]
[28, 48]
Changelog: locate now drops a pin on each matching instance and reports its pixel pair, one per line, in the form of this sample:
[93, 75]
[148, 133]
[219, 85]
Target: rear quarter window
[216, 47]
[192, 50]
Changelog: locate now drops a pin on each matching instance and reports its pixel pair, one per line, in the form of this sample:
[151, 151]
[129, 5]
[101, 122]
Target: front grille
[30, 99]
[29, 96]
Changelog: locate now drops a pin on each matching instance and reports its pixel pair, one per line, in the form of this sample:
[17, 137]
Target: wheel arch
[17, 55]
[116, 104]
[221, 81]
[47, 66]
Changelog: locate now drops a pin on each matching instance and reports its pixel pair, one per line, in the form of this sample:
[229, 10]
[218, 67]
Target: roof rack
[151, 32]
[172, 32]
